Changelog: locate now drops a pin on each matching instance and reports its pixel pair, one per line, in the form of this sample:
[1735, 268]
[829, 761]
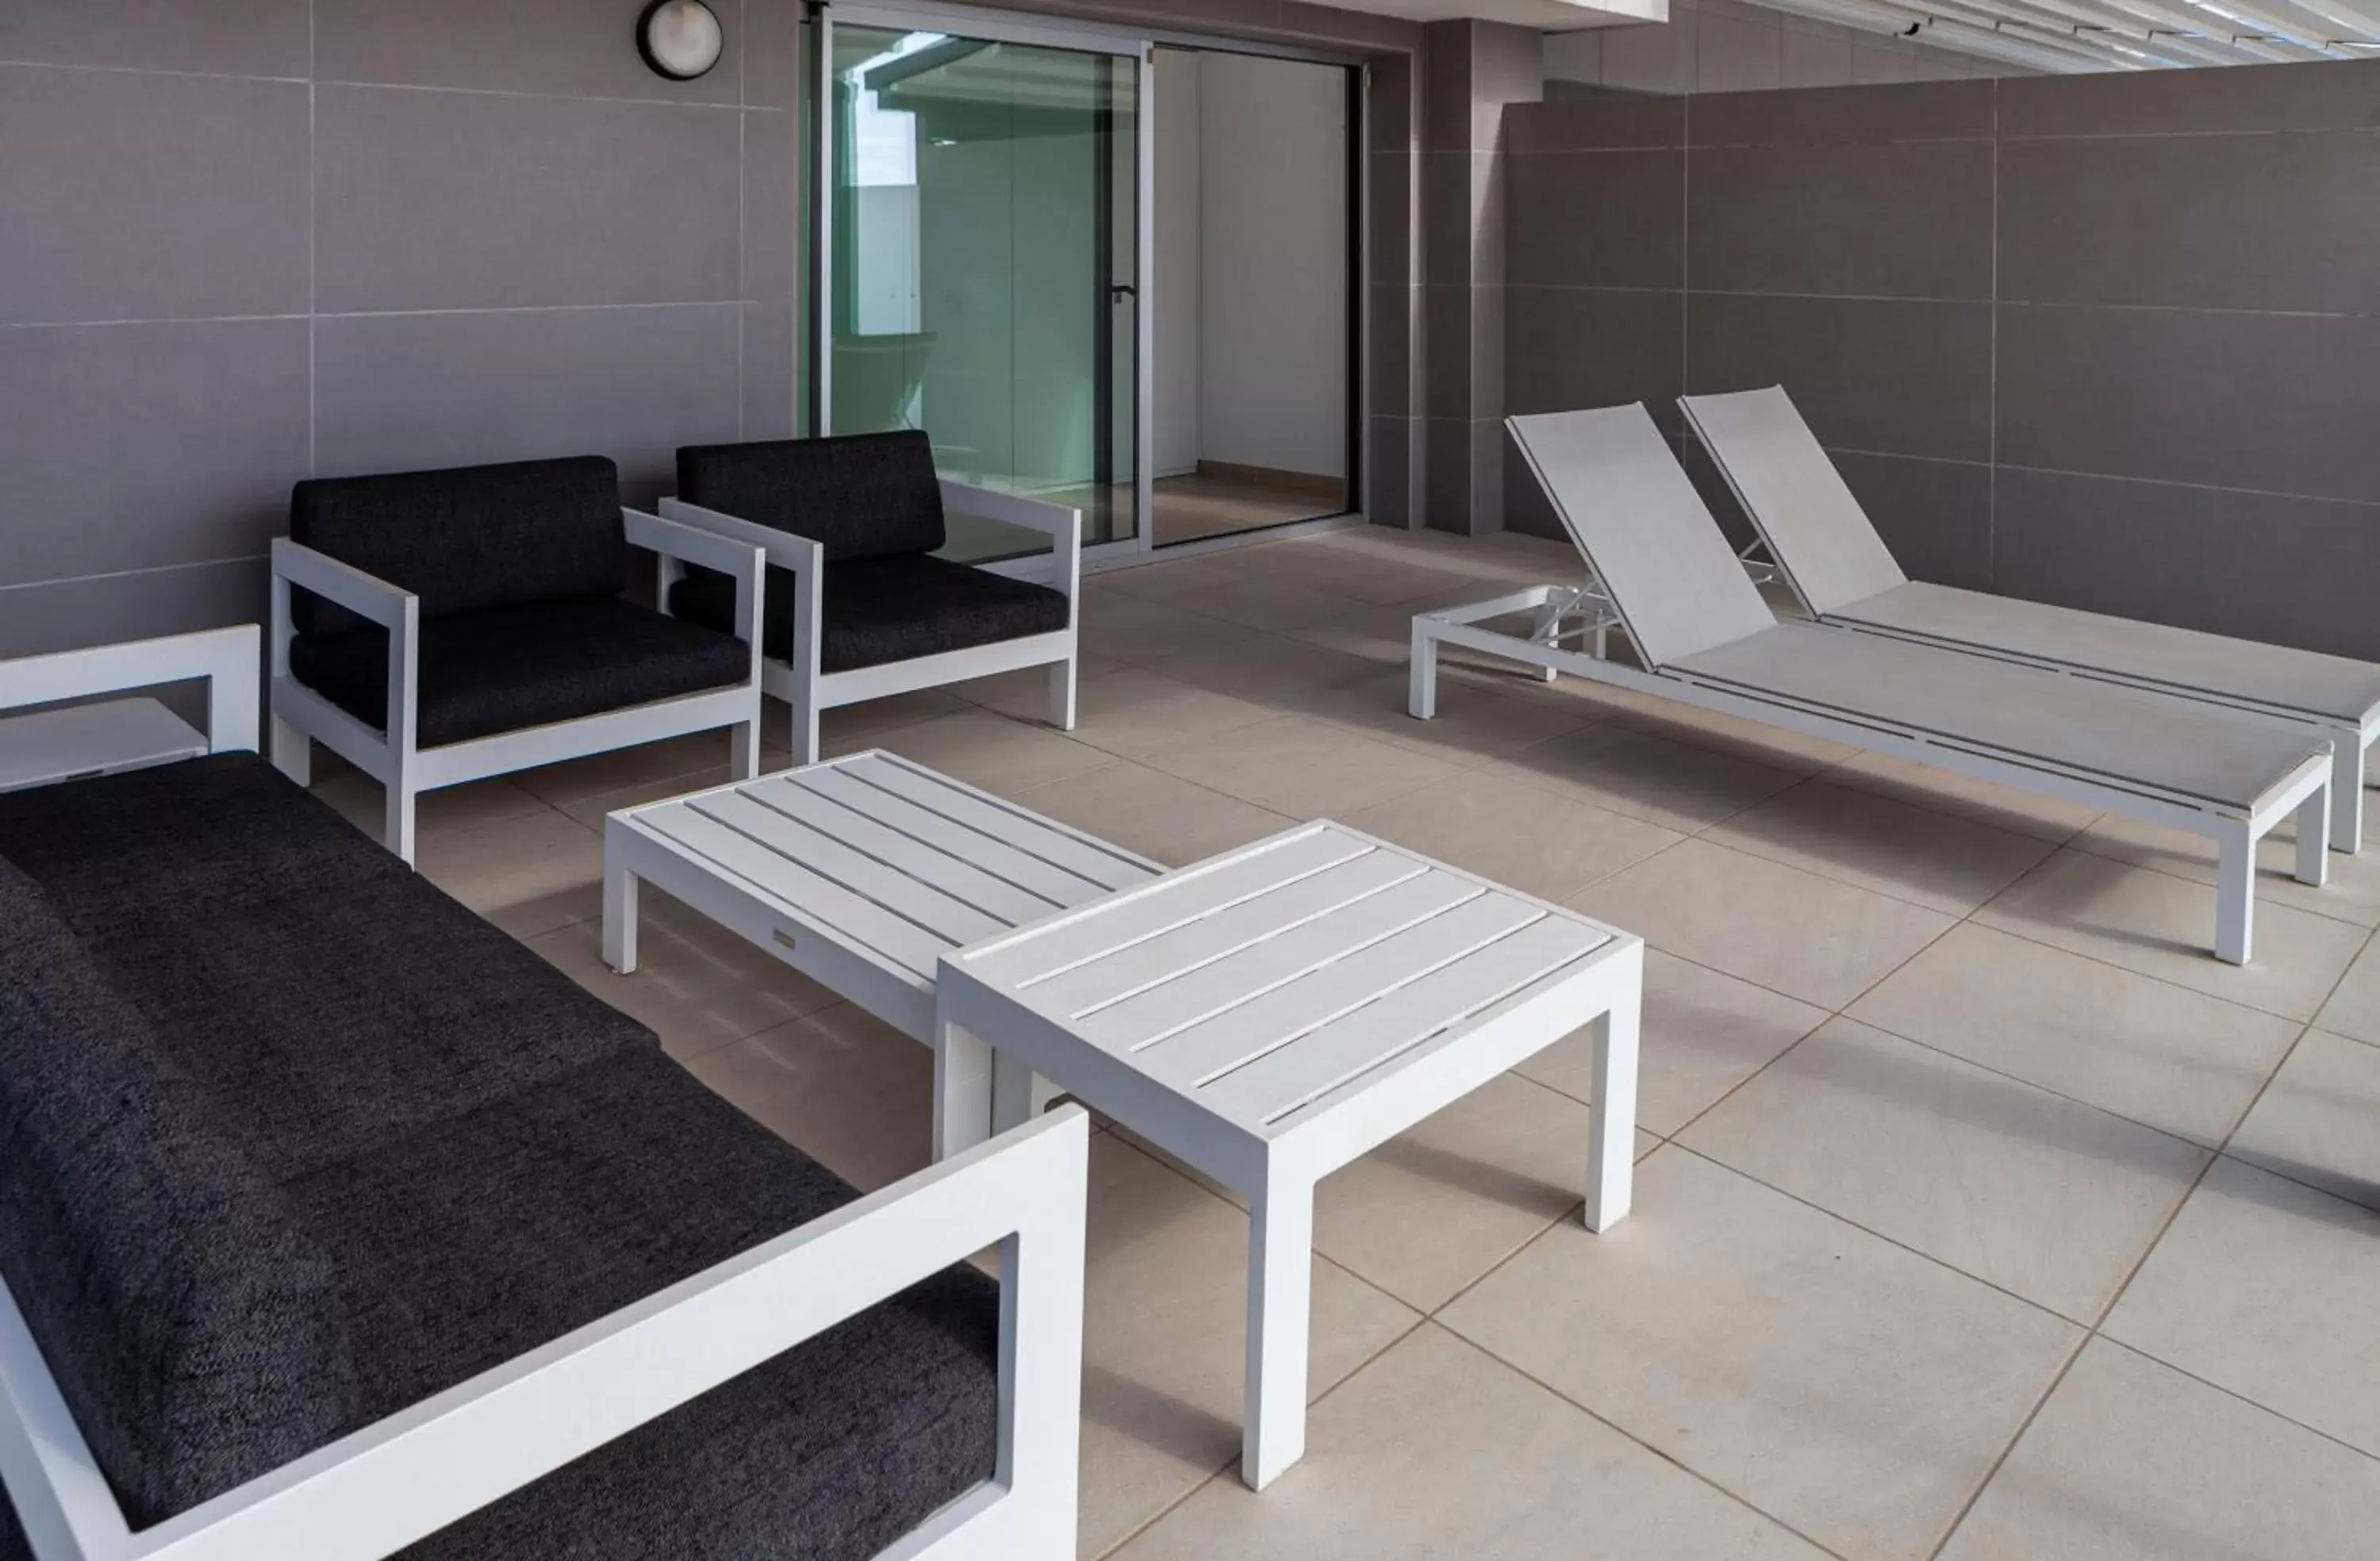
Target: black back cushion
[469, 537]
[861, 495]
[190, 1323]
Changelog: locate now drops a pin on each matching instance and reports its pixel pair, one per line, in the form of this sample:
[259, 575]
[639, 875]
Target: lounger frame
[395, 758]
[808, 692]
[378, 1490]
[2304, 793]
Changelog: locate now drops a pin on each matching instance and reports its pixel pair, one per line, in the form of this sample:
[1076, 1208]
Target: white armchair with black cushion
[443, 626]
[858, 607]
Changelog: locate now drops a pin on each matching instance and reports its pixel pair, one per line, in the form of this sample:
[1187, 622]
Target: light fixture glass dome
[680, 38]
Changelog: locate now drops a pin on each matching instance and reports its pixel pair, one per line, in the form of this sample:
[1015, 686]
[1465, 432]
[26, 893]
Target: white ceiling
[1551, 16]
[2070, 36]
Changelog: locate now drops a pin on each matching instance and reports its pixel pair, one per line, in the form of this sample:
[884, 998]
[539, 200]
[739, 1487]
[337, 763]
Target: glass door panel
[983, 266]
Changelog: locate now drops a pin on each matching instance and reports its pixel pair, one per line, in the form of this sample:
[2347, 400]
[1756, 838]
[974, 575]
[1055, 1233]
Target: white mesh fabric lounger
[1705, 639]
[1830, 552]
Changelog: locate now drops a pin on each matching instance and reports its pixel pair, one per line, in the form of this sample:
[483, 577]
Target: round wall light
[680, 38]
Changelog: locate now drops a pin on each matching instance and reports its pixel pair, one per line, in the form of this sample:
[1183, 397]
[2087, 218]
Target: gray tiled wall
[250, 240]
[2107, 341]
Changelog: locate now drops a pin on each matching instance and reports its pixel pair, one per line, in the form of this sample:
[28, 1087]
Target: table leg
[1612, 1120]
[620, 919]
[963, 1067]
[1280, 1277]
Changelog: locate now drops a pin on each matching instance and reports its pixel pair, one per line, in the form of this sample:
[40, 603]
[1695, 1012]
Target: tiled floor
[1982, 1215]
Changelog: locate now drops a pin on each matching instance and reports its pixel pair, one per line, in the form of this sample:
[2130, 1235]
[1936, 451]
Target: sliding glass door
[978, 259]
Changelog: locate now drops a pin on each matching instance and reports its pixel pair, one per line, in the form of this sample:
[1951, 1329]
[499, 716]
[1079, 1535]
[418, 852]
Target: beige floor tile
[2354, 1008]
[1676, 785]
[1534, 841]
[1135, 631]
[2022, 1189]
[591, 811]
[1436, 1450]
[2271, 1290]
[1132, 710]
[842, 1086]
[575, 779]
[2178, 1060]
[2003, 807]
[1164, 1334]
[1003, 756]
[1702, 1034]
[2131, 1460]
[1756, 741]
[1162, 816]
[1273, 605]
[1854, 1390]
[528, 875]
[1168, 578]
[1380, 580]
[1301, 767]
[1281, 675]
[698, 985]
[2319, 1120]
[2351, 895]
[1931, 858]
[1778, 926]
[2165, 926]
[1473, 727]
[849, 726]
[361, 801]
[1434, 1208]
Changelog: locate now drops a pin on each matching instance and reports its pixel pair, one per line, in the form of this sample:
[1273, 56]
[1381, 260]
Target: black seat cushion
[545, 1211]
[862, 495]
[501, 669]
[883, 609]
[468, 536]
[192, 1326]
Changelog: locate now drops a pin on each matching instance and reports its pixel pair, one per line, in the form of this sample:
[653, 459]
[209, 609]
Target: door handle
[1118, 291]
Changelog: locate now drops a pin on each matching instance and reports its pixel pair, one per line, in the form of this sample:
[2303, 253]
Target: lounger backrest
[1620, 493]
[1814, 529]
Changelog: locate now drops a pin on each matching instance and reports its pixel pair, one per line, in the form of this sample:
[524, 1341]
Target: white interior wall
[1251, 264]
[1174, 263]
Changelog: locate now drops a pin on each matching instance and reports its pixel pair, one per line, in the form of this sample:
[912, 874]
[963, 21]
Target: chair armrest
[226, 658]
[692, 544]
[1061, 524]
[368, 596]
[801, 555]
[384, 1487]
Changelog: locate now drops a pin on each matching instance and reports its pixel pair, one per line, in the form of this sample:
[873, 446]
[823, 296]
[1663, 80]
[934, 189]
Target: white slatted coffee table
[1270, 1014]
[861, 873]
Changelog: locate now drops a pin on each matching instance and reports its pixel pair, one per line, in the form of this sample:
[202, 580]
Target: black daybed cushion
[881, 609]
[489, 1157]
[501, 669]
[468, 536]
[189, 1318]
[861, 495]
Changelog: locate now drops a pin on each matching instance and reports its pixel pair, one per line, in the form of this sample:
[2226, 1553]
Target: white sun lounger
[1830, 552]
[1705, 639]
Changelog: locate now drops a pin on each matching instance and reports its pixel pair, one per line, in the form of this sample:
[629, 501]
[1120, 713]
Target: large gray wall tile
[398, 391]
[482, 200]
[771, 42]
[771, 194]
[1590, 123]
[1934, 515]
[1388, 105]
[1389, 363]
[768, 370]
[128, 196]
[2302, 572]
[1507, 72]
[1736, 55]
[1388, 488]
[1388, 219]
[1912, 220]
[1446, 85]
[1612, 219]
[1889, 375]
[2259, 222]
[222, 37]
[2279, 403]
[511, 45]
[1844, 116]
[104, 608]
[2341, 96]
[136, 446]
[1526, 508]
[1571, 348]
[1446, 474]
[1445, 351]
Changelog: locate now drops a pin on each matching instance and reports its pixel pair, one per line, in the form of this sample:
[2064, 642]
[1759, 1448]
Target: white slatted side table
[1270, 1014]
[68, 744]
[861, 873]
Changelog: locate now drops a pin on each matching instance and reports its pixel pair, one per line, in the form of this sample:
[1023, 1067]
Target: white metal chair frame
[2304, 793]
[808, 691]
[393, 758]
[392, 1483]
